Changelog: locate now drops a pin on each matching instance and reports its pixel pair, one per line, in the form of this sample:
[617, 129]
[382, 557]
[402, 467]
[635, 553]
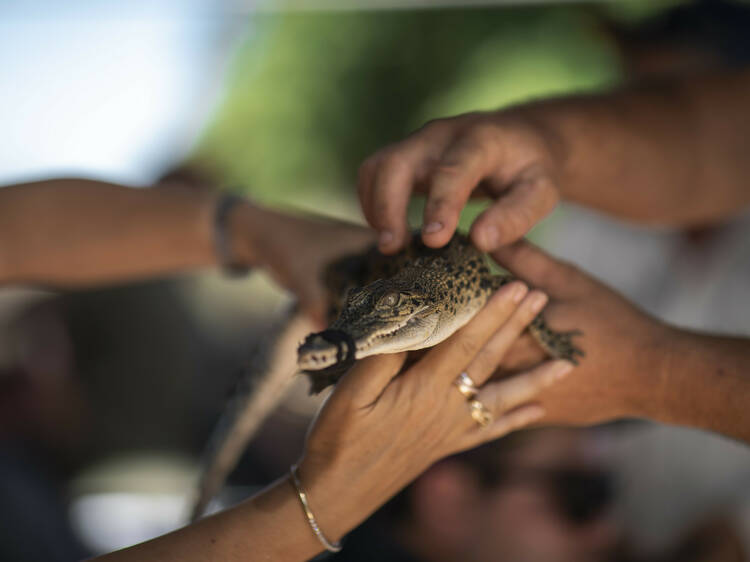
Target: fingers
[491, 354]
[532, 264]
[450, 357]
[512, 421]
[368, 377]
[507, 394]
[509, 401]
[523, 354]
[316, 307]
[514, 214]
[456, 175]
[385, 186]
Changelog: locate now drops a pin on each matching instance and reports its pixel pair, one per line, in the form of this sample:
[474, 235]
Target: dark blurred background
[108, 397]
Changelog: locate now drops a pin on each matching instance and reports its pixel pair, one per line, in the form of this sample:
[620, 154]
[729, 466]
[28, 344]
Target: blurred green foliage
[311, 94]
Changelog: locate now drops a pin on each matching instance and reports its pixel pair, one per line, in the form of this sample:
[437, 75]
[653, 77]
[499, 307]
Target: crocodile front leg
[556, 344]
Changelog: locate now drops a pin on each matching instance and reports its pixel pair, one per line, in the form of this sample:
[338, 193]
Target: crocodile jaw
[413, 332]
[442, 326]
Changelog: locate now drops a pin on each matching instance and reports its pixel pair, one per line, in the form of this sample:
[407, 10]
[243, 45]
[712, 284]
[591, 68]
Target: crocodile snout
[324, 349]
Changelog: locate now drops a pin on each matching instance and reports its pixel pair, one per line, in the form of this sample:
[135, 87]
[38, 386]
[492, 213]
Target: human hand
[295, 249]
[380, 429]
[501, 155]
[625, 348]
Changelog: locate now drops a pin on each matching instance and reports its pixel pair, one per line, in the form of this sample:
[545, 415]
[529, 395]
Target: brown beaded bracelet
[222, 244]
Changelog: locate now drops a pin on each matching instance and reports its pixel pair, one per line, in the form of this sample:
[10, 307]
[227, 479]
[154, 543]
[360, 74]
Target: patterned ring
[480, 413]
[466, 386]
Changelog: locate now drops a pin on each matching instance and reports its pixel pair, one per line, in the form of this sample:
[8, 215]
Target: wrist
[331, 497]
[539, 128]
[653, 375]
[244, 232]
[343, 495]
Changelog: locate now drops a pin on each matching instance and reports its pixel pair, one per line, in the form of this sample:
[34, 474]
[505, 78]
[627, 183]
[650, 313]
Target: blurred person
[534, 496]
[43, 412]
[542, 495]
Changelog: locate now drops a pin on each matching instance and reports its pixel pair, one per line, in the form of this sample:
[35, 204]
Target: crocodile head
[386, 316]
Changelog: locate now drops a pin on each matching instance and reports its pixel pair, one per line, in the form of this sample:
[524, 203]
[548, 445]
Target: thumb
[532, 264]
[365, 382]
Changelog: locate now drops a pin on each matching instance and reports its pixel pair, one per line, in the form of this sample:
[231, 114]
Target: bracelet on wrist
[222, 240]
[329, 546]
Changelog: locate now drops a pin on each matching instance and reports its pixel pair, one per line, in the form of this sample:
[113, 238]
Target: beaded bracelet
[329, 546]
[224, 205]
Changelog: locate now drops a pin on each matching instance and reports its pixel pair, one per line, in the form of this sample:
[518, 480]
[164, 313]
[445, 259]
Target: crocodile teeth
[362, 346]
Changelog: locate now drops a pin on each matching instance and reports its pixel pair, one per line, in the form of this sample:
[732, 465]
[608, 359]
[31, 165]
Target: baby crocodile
[411, 301]
[380, 304]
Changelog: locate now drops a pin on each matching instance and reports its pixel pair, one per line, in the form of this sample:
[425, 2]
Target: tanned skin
[670, 153]
[81, 233]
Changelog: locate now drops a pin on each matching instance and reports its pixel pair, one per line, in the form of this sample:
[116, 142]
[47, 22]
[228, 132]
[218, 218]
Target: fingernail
[432, 227]
[561, 369]
[538, 300]
[519, 292]
[385, 238]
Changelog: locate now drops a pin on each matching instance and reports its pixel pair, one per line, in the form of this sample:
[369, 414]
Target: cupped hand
[501, 155]
[625, 348]
[295, 249]
[382, 427]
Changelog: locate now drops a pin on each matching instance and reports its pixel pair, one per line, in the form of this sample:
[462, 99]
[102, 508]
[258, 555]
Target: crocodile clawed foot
[557, 344]
[561, 346]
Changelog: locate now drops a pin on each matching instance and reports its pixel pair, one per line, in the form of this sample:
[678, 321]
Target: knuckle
[549, 194]
[394, 162]
[526, 312]
[365, 170]
[510, 226]
[446, 171]
[522, 219]
[483, 363]
[467, 347]
[497, 401]
[483, 134]
[438, 205]
[383, 210]
[434, 126]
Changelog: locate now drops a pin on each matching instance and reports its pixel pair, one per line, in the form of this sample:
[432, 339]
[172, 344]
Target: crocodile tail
[258, 395]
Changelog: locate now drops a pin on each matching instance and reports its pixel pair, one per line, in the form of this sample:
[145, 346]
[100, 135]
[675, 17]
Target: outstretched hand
[500, 155]
[295, 250]
[382, 427]
[625, 348]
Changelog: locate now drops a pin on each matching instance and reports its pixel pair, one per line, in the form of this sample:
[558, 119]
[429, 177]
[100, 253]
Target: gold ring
[466, 386]
[480, 413]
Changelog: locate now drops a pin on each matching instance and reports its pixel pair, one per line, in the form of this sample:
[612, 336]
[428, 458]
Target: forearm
[79, 232]
[705, 383]
[269, 526]
[672, 154]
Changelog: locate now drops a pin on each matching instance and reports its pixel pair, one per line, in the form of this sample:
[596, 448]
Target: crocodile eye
[389, 299]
